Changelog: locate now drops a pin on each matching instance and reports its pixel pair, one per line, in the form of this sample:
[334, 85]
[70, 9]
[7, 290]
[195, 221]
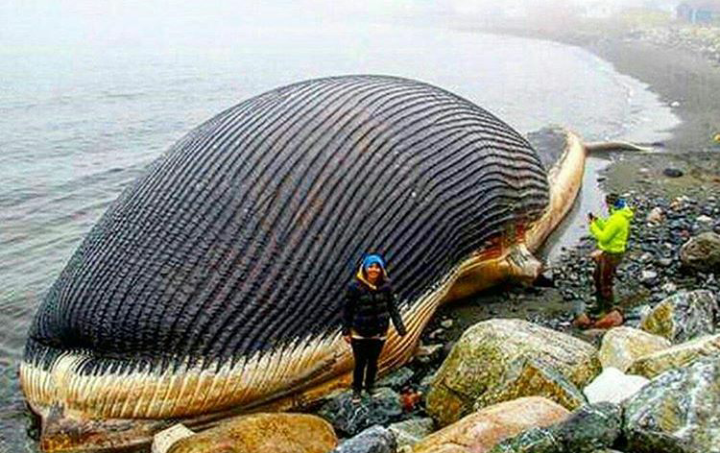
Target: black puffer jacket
[367, 312]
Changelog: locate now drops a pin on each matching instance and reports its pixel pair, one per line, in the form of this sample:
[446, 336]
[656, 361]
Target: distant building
[699, 12]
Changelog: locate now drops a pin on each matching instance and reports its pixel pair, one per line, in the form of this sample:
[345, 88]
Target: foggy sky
[97, 24]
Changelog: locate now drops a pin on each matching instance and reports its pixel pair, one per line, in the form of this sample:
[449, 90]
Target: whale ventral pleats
[241, 239]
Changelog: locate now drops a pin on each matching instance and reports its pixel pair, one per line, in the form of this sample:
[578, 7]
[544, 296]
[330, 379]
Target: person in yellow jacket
[612, 237]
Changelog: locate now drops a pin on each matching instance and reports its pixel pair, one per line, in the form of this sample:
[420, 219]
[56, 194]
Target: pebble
[672, 172]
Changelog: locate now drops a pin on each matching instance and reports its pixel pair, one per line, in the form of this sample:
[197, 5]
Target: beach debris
[673, 172]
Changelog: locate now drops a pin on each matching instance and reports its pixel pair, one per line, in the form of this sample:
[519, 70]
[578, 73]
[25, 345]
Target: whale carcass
[214, 283]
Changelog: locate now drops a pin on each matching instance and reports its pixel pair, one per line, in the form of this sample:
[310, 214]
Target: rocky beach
[507, 372]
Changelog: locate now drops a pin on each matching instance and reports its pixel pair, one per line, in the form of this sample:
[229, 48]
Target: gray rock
[534, 440]
[702, 252]
[590, 428]
[648, 277]
[396, 380]
[682, 317]
[410, 432]
[672, 172]
[373, 440]
[677, 411]
[350, 418]
[705, 223]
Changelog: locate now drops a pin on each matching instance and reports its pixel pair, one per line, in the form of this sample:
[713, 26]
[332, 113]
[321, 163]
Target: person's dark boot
[356, 396]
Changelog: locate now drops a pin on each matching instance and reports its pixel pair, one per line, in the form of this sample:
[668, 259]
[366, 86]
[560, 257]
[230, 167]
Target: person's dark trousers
[605, 268]
[366, 352]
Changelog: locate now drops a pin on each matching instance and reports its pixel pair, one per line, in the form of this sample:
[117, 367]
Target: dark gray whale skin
[242, 238]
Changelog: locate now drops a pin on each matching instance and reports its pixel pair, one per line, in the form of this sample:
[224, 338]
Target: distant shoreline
[687, 81]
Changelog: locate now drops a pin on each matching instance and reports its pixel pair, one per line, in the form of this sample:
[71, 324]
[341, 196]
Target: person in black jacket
[369, 306]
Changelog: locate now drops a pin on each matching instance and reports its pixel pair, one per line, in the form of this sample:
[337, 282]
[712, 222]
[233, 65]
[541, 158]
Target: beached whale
[214, 284]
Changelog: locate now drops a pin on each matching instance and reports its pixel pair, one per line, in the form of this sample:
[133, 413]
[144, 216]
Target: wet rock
[412, 431]
[588, 429]
[429, 353]
[621, 346]
[677, 411]
[373, 440]
[648, 277]
[702, 252]
[656, 215]
[481, 431]
[478, 362]
[669, 287]
[683, 316]
[396, 380]
[446, 324]
[534, 440]
[672, 172]
[532, 377]
[290, 433]
[350, 418]
[676, 356]
[704, 224]
[613, 386]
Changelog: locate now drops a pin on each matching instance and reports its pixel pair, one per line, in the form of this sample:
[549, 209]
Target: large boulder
[373, 440]
[481, 431]
[677, 412]
[614, 386]
[676, 356]
[281, 433]
[590, 428]
[702, 252]
[682, 317]
[350, 418]
[479, 360]
[532, 377]
[621, 346]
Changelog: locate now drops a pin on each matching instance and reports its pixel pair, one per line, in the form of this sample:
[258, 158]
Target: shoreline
[687, 81]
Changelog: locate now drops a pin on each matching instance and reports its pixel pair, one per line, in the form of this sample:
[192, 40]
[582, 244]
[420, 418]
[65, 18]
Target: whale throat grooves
[238, 243]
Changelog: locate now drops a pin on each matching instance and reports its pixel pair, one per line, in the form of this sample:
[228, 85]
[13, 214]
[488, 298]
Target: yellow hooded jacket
[612, 233]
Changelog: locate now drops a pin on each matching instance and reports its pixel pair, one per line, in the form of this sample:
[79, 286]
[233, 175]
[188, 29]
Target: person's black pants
[366, 352]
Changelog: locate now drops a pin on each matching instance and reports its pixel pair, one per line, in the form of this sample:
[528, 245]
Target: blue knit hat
[373, 259]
